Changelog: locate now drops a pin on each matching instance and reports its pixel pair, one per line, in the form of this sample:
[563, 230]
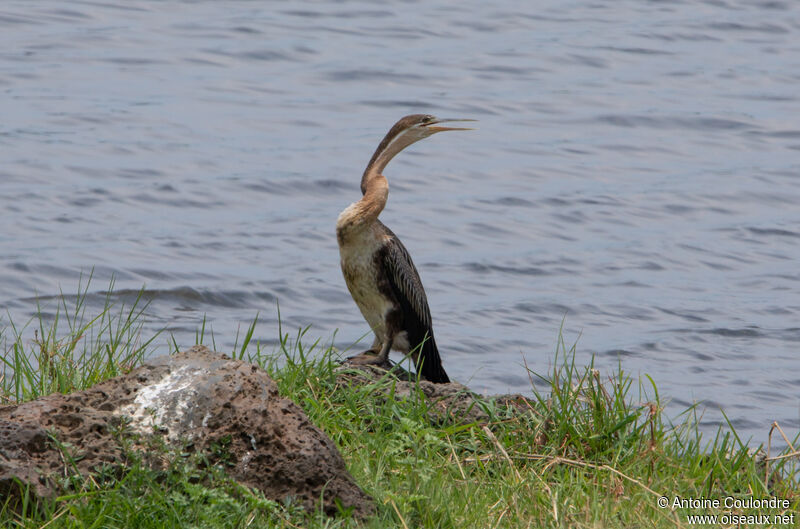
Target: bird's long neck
[374, 187]
[363, 214]
[394, 142]
[376, 192]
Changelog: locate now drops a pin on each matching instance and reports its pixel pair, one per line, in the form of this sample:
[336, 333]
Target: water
[635, 174]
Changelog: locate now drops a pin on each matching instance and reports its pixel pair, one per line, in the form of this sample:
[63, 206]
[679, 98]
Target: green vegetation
[589, 452]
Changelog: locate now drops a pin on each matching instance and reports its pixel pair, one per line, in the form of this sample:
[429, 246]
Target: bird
[377, 268]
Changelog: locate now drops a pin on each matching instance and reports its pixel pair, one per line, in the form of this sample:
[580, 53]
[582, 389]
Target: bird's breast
[362, 274]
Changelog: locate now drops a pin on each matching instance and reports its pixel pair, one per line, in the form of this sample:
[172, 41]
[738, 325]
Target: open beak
[435, 128]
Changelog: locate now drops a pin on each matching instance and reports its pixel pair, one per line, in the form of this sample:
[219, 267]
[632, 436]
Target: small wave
[391, 103]
[9, 20]
[195, 297]
[663, 122]
[519, 270]
[507, 201]
[133, 61]
[702, 357]
[246, 30]
[790, 134]
[139, 173]
[265, 55]
[367, 74]
[481, 228]
[544, 308]
[187, 297]
[619, 353]
[748, 332]
[637, 51]
[789, 335]
[770, 29]
[301, 186]
[773, 231]
[585, 60]
[177, 201]
[688, 37]
[683, 315]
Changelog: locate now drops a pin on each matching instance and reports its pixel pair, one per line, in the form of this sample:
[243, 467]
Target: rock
[196, 397]
[453, 402]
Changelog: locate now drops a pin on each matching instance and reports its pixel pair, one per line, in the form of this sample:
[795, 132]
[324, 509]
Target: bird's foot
[369, 357]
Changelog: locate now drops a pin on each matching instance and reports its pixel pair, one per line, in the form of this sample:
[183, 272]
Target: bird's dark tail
[429, 363]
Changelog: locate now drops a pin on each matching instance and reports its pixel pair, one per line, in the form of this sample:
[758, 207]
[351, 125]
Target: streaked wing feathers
[406, 282]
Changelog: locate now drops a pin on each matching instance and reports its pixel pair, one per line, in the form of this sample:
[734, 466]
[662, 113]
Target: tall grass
[587, 450]
[62, 348]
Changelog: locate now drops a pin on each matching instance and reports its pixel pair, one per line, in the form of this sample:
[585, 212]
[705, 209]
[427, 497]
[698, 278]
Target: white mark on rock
[166, 403]
[246, 460]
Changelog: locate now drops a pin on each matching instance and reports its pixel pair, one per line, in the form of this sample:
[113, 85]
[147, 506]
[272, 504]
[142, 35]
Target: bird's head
[415, 127]
[408, 130]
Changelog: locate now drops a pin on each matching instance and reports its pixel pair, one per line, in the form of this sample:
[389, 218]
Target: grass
[589, 451]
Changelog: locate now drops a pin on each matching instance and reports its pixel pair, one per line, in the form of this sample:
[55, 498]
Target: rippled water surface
[635, 173]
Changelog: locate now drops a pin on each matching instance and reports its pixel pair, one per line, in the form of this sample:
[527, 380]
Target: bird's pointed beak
[436, 128]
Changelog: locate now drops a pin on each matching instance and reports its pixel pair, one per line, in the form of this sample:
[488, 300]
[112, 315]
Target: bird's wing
[406, 284]
[404, 281]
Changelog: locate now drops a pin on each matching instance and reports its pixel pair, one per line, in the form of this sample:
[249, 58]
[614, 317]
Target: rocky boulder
[197, 398]
[450, 402]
